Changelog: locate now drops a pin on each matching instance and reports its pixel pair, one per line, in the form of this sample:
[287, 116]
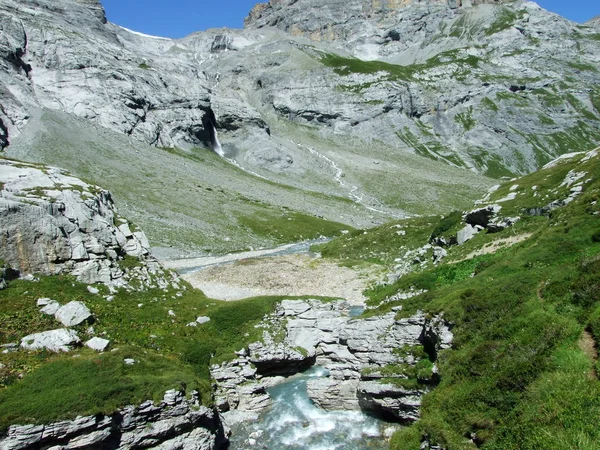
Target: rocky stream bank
[367, 371]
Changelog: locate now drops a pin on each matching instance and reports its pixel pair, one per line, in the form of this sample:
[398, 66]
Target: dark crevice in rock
[393, 35]
[221, 43]
[158, 132]
[208, 135]
[4, 142]
[138, 104]
[284, 367]
[16, 59]
[515, 88]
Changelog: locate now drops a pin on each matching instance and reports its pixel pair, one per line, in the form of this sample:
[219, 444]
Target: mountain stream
[294, 422]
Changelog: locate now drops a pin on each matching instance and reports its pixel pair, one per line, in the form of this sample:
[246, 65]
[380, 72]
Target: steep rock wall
[53, 223]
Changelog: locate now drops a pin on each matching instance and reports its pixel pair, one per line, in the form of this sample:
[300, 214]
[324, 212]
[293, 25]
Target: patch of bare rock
[355, 352]
[174, 423]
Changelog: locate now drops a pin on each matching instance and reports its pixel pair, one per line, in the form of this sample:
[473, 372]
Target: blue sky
[178, 18]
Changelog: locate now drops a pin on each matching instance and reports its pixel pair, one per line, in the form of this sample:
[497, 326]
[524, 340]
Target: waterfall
[217, 144]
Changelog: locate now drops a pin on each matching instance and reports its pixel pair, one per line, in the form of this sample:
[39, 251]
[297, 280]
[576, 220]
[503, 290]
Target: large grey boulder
[73, 314]
[466, 233]
[97, 344]
[61, 340]
[51, 308]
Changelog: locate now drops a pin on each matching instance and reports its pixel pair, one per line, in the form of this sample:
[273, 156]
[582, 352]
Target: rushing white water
[294, 422]
[217, 144]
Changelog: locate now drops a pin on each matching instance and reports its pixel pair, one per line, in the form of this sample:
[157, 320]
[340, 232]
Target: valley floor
[287, 275]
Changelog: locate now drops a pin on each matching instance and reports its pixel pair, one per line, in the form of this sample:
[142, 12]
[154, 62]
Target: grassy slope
[516, 377]
[192, 201]
[42, 387]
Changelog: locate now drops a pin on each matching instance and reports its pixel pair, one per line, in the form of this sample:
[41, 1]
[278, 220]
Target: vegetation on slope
[41, 387]
[522, 373]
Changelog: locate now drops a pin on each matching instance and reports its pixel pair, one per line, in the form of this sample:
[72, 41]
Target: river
[294, 422]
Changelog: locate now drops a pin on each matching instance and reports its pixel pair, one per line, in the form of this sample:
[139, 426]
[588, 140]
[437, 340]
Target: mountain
[389, 108]
[377, 123]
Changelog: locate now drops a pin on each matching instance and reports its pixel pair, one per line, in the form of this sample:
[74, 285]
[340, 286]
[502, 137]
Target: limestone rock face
[174, 423]
[595, 22]
[328, 20]
[50, 62]
[356, 353]
[446, 79]
[51, 223]
[96, 7]
[345, 98]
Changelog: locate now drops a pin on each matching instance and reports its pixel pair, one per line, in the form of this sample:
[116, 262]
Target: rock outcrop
[174, 423]
[52, 223]
[338, 19]
[178, 93]
[367, 360]
[61, 340]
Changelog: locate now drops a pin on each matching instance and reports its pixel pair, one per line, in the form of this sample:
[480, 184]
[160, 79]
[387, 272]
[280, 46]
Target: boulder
[97, 344]
[73, 314]
[466, 234]
[502, 223]
[51, 308]
[61, 340]
[44, 301]
[439, 253]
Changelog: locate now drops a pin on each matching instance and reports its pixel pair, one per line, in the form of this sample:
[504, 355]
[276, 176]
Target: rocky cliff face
[174, 423]
[333, 20]
[49, 61]
[52, 223]
[594, 22]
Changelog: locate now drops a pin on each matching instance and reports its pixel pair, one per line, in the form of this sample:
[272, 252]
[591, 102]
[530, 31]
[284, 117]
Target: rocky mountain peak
[307, 16]
[96, 7]
[595, 22]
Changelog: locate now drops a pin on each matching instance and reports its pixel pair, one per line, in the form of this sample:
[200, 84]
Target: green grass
[466, 119]
[129, 262]
[93, 384]
[345, 66]
[41, 387]
[379, 245]
[516, 378]
[582, 66]
[290, 226]
[505, 19]
[489, 104]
